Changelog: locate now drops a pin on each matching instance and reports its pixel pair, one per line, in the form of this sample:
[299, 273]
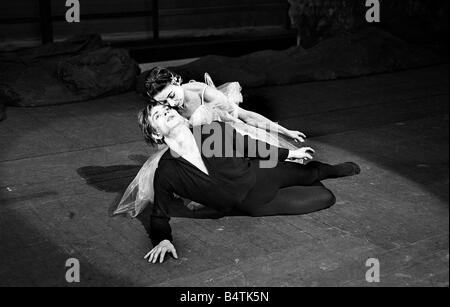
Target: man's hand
[304, 153]
[160, 250]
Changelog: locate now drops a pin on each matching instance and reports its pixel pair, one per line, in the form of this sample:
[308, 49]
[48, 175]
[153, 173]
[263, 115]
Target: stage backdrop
[19, 19]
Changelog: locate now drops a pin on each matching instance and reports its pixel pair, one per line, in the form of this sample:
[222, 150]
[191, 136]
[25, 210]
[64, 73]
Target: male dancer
[217, 167]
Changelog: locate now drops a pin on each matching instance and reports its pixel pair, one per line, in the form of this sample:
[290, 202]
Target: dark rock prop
[417, 21]
[366, 52]
[101, 72]
[74, 70]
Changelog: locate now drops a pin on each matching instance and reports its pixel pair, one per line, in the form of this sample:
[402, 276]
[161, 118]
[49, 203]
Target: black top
[228, 183]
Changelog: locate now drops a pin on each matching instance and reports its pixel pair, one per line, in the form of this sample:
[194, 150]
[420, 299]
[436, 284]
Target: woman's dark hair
[144, 123]
[158, 78]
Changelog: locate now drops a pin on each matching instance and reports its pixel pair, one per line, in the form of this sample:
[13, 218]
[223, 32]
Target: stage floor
[62, 166]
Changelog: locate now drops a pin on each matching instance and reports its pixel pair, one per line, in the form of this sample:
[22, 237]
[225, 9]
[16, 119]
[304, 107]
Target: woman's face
[172, 95]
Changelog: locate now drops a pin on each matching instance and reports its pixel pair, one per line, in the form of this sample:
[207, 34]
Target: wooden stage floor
[62, 166]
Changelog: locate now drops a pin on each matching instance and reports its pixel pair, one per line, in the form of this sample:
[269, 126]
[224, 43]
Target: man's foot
[327, 171]
[346, 169]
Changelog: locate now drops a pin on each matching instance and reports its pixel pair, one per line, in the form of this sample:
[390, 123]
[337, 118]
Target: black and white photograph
[223, 150]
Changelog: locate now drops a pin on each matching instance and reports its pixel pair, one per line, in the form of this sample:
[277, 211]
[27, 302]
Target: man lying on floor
[219, 168]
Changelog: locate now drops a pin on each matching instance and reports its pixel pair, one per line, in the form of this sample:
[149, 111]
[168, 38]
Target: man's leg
[305, 198]
[295, 201]
[288, 174]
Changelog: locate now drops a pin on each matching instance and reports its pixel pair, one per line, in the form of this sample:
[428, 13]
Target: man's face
[171, 95]
[164, 119]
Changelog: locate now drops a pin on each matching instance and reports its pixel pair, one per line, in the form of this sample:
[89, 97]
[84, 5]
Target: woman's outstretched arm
[260, 121]
[213, 95]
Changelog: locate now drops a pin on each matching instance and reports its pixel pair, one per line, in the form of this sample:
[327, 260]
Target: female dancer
[200, 103]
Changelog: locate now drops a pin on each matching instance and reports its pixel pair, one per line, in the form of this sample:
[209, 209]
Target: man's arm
[155, 218]
[164, 200]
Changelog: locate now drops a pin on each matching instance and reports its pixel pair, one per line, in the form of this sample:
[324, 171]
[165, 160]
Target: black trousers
[288, 189]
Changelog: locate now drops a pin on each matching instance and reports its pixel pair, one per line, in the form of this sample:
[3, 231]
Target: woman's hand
[160, 250]
[304, 153]
[194, 206]
[296, 135]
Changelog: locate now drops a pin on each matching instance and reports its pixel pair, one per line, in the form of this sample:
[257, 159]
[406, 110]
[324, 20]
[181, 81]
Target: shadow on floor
[116, 178]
